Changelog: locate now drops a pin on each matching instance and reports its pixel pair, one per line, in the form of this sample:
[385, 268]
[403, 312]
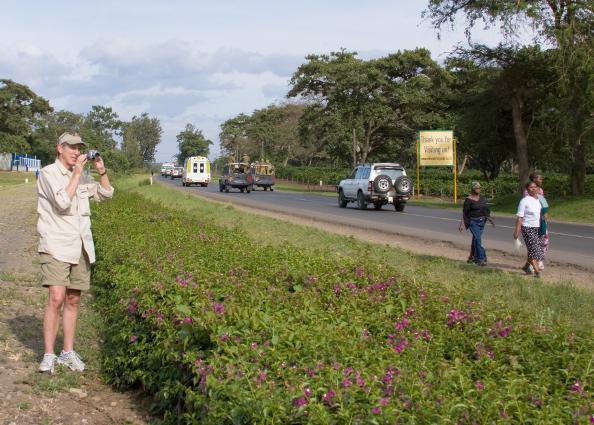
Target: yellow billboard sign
[436, 148]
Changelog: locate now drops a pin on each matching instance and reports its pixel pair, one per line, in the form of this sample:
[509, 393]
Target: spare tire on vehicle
[382, 184]
[403, 185]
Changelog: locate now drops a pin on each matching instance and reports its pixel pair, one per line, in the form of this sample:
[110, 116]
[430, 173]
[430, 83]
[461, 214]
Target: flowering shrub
[221, 330]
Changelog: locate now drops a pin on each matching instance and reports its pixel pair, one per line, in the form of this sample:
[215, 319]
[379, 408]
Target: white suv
[379, 184]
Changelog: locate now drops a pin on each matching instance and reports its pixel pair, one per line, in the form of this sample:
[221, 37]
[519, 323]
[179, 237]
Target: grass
[9, 178]
[547, 303]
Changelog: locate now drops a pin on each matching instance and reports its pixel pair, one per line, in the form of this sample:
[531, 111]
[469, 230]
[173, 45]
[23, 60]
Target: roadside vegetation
[232, 318]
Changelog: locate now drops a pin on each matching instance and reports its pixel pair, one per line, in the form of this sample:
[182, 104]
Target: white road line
[499, 225]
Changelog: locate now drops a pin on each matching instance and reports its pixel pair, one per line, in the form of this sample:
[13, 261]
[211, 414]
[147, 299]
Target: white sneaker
[541, 265]
[48, 363]
[71, 360]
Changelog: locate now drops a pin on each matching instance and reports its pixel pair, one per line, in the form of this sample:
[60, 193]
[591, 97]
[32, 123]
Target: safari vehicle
[379, 184]
[166, 168]
[196, 171]
[262, 173]
[235, 176]
[177, 172]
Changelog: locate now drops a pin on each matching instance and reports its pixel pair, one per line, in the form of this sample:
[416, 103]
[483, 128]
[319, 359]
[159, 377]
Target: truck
[262, 173]
[196, 171]
[166, 168]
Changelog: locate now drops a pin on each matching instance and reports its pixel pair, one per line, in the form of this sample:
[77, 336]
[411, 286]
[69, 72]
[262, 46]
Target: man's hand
[99, 166]
[79, 165]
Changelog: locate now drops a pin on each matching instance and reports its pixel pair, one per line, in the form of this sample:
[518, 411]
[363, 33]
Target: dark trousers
[477, 226]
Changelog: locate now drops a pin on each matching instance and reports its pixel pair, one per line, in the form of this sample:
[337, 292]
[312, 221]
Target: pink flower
[456, 316]
[479, 386]
[307, 392]
[328, 396]
[376, 410]
[187, 320]
[401, 325]
[218, 308]
[299, 402]
[577, 387]
[133, 338]
[425, 334]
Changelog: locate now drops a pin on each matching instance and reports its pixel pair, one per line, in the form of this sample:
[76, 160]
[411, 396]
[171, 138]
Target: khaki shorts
[59, 273]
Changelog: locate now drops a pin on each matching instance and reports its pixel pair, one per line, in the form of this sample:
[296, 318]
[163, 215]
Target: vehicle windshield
[393, 172]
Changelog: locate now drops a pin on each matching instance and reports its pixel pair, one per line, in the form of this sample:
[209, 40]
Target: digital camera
[93, 154]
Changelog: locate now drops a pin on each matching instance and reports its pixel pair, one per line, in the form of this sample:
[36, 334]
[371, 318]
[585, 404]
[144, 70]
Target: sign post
[437, 148]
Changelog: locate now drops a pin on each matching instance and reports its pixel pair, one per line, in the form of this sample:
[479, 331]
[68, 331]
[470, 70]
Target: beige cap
[71, 139]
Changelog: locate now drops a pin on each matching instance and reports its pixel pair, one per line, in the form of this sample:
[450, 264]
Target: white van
[196, 171]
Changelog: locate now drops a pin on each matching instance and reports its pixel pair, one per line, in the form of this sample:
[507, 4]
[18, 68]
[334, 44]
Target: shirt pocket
[82, 195]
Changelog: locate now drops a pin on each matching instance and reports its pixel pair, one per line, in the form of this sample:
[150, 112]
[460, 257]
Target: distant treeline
[29, 125]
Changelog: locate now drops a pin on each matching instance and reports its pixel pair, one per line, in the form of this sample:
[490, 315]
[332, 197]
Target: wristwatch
[103, 173]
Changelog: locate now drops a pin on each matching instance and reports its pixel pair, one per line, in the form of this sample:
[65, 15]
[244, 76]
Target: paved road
[570, 243]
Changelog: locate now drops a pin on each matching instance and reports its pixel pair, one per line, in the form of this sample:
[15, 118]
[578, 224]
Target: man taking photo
[66, 249]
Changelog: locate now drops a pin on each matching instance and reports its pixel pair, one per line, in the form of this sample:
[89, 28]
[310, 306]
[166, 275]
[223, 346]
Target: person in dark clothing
[475, 214]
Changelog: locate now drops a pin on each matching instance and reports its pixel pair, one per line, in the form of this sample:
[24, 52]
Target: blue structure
[24, 162]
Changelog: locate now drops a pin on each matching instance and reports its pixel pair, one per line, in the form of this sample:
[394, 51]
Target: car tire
[248, 190]
[403, 185]
[382, 183]
[226, 188]
[220, 187]
[361, 203]
[342, 202]
[399, 206]
[271, 189]
[377, 206]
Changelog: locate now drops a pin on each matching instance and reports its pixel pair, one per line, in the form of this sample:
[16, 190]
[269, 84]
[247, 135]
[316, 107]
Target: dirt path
[26, 396]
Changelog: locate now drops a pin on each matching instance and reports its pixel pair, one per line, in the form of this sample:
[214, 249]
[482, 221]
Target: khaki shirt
[64, 224]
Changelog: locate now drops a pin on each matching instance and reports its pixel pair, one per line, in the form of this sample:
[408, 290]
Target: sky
[193, 61]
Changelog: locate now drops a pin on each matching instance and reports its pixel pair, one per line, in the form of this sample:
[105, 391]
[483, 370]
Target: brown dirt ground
[27, 396]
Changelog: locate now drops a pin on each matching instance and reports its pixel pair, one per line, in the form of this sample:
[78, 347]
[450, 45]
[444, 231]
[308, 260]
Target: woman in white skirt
[528, 224]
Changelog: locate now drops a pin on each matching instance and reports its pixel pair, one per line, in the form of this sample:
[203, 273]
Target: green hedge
[440, 182]
[223, 331]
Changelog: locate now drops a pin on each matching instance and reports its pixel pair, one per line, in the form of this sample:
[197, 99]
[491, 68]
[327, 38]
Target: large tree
[191, 142]
[522, 77]
[20, 108]
[140, 139]
[400, 91]
[234, 137]
[568, 25]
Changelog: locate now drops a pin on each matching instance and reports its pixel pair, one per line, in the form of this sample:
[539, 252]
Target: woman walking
[474, 215]
[543, 233]
[528, 224]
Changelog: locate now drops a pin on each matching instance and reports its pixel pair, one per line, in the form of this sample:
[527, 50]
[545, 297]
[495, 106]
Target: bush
[224, 331]
[440, 181]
